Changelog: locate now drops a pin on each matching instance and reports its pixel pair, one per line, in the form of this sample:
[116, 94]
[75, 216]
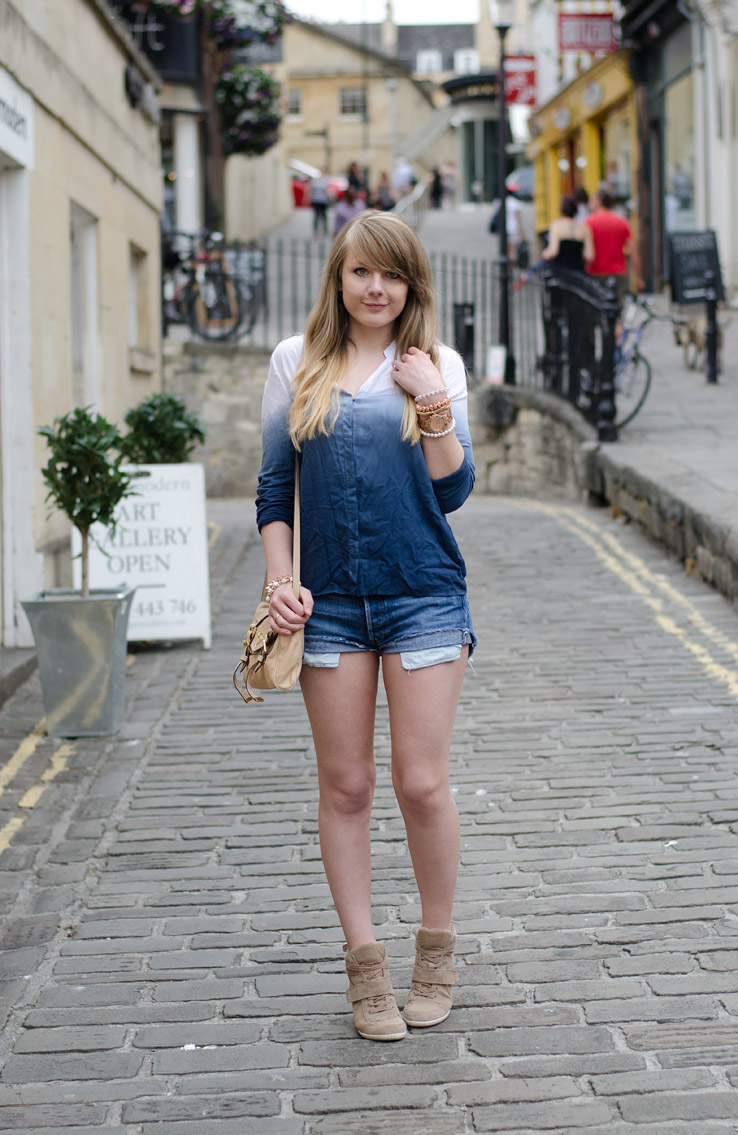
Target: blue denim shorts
[423, 630]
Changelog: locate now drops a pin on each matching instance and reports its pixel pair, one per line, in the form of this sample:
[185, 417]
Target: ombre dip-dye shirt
[372, 522]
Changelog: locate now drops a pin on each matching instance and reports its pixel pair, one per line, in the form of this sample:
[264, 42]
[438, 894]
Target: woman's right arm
[275, 495]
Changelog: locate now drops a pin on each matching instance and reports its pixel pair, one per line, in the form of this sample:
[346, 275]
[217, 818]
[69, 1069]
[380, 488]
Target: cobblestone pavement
[171, 962]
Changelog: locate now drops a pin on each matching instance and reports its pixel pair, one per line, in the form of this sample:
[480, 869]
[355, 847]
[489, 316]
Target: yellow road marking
[7, 833]
[215, 531]
[25, 750]
[58, 763]
[638, 577]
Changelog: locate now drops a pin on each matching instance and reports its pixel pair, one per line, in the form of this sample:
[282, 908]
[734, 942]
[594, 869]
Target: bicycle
[198, 288]
[632, 369]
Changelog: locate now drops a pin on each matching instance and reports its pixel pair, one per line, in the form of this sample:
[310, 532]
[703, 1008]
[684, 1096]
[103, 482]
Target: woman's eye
[360, 271]
[394, 275]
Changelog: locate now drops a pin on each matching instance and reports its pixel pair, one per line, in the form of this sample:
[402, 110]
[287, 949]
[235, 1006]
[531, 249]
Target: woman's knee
[422, 792]
[348, 794]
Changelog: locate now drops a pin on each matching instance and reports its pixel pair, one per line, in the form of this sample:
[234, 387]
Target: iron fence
[284, 276]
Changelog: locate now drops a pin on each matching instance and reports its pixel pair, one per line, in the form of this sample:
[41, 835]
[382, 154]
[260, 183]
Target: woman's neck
[366, 340]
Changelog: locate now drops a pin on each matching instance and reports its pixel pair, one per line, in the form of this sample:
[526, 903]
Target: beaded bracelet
[443, 433]
[273, 584]
[422, 411]
[427, 394]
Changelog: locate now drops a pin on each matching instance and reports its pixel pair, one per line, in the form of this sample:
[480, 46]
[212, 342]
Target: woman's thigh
[341, 703]
[422, 707]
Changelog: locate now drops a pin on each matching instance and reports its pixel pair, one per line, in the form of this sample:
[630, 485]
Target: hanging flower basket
[248, 100]
[228, 25]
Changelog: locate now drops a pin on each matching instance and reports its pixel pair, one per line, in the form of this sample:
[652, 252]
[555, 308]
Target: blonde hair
[386, 242]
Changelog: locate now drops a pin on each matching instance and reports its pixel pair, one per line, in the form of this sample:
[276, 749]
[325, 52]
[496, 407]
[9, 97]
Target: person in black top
[570, 242]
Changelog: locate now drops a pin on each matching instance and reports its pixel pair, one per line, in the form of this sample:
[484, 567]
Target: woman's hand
[416, 373]
[287, 613]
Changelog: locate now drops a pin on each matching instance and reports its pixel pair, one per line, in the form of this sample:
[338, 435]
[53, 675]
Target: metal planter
[81, 648]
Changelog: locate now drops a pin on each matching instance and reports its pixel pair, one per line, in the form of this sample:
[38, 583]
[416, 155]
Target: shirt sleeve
[452, 491]
[275, 492]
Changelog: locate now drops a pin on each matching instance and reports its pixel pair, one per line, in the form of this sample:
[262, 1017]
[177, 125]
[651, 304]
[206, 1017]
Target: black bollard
[464, 333]
[711, 331]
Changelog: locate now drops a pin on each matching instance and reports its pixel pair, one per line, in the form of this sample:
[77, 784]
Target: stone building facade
[80, 194]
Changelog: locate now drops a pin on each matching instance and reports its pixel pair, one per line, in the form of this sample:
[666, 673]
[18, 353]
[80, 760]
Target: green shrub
[162, 431]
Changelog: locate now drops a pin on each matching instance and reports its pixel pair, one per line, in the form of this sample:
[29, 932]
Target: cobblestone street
[171, 960]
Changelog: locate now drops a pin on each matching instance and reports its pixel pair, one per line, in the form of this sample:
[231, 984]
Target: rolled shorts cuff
[410, 659]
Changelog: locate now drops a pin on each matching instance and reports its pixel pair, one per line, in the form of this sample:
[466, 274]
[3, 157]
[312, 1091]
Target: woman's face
[373, 298]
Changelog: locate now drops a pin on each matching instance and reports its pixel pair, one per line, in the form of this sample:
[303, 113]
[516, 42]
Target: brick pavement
[171, 963]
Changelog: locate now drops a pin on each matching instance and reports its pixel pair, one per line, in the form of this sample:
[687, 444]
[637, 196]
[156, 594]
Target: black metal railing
[579, 317]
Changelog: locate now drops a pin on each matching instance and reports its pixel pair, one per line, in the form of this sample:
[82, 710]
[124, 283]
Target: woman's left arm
[448, 458]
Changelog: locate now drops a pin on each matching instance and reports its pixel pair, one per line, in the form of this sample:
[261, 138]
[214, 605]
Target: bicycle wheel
[632, 383]
[215, 307]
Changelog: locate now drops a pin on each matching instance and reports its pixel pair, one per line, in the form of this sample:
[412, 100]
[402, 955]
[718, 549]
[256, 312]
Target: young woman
[376, 408]
[570, 243]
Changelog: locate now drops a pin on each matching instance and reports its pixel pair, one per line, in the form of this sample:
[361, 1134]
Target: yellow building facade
[587, 136]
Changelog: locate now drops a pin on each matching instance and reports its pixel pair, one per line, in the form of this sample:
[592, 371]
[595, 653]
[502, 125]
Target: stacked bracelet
[424, 411]
[441, 433]
[428, 393]
[273, 584]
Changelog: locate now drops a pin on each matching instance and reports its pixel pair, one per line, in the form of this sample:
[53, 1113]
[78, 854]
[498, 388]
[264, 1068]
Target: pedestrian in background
[613, 244]
[582, 199]
[346, 209]
[320, 199]
[570, 242]
[377, 410]
[383, 198]
[436, 188]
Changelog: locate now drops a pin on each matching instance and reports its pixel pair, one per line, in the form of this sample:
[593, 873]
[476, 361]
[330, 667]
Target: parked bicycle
[632, 369]
[201, 290]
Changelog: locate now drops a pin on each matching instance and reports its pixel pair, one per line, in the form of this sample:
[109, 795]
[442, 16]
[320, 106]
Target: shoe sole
[425, 1024]
[383, 1036]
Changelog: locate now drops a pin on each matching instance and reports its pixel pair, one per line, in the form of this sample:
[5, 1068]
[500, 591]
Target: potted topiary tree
[159, 544]
[80, 636]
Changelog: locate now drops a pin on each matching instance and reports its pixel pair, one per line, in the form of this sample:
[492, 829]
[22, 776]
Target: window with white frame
[352, 102]
[429, 61]
[466, 61]
[294, 102]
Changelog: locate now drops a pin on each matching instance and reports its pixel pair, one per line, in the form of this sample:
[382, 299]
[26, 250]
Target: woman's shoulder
[288, 350]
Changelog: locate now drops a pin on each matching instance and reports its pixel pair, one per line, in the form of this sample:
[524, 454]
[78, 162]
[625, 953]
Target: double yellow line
[26, 749]
[672, 611]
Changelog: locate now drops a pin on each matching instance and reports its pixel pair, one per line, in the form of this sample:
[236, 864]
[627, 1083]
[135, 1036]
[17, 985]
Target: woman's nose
[375, 282]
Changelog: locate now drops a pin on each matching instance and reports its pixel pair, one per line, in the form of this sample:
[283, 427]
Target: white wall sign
[16, 121]
[160, 547]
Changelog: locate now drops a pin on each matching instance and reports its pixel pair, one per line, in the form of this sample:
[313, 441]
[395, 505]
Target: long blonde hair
[386, 242]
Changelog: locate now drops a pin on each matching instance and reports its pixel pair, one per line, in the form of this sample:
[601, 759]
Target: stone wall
[223, 384]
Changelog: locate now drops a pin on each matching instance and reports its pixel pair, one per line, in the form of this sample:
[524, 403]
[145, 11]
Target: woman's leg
[341, 704]
[422, 707]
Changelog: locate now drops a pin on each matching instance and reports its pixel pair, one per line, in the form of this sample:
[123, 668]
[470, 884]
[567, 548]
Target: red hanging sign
[520, 80]
[586, 32]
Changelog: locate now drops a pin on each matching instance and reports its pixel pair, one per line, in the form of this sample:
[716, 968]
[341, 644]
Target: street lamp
[502, 17]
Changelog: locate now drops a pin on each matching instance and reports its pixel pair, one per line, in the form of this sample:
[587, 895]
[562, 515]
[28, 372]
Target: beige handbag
[272, 661]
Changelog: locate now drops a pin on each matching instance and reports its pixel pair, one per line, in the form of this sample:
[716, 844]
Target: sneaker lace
[381, 1002]
[428, 959]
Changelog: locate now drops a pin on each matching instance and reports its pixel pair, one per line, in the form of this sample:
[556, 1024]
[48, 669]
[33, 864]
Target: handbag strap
[296, 534]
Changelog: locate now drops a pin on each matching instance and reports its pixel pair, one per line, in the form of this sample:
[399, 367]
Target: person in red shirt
[613, 244]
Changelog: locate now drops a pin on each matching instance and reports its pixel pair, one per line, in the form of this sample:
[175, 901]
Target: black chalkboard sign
[693, 254]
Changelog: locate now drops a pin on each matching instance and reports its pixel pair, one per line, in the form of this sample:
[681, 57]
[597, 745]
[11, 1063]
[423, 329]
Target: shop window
[617, 149]
[679, 209]
[428, 62]
[352, 102]
[83, 306]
